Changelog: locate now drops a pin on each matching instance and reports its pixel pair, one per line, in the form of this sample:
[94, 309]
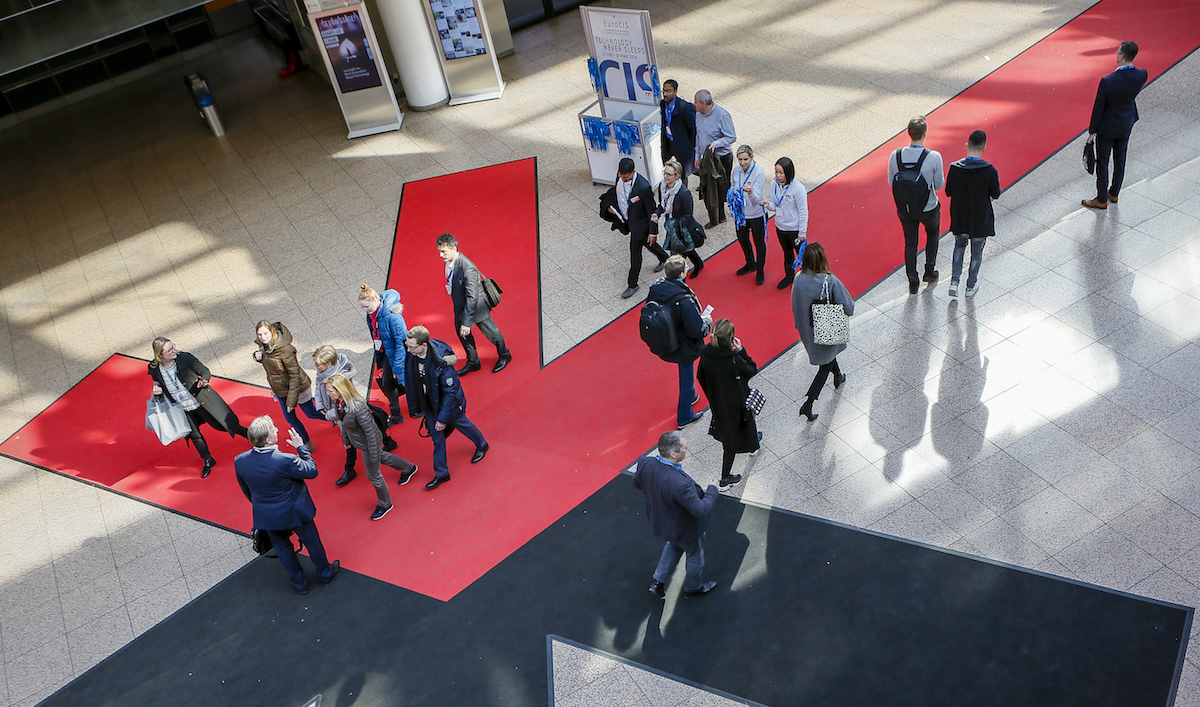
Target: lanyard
[777, 195]
[748, 175]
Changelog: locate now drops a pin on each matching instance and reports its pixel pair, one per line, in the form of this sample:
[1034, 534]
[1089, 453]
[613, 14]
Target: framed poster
[622, 54]
[350, 54]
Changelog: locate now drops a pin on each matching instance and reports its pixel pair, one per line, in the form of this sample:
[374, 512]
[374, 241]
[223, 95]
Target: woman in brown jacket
[359, 430]
[289, 383]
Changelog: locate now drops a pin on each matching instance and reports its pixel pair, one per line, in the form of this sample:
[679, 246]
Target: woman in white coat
[748, 178]
[789, 201]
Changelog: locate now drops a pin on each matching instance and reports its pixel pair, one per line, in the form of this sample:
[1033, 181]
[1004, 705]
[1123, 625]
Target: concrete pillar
[414, 53]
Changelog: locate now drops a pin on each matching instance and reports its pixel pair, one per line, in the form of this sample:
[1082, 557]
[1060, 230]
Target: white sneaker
[971, 291]
[954, 289]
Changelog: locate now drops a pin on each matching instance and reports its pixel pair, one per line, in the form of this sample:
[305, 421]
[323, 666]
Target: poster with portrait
[458, 28]
[349, 52]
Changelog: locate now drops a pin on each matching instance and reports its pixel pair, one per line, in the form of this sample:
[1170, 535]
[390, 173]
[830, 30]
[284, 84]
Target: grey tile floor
[1050, 422]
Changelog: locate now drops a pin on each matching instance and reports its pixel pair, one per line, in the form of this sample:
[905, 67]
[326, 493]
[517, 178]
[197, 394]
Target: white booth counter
[631, 130]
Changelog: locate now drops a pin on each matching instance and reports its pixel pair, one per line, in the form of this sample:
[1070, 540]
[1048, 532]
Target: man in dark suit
[679, 129]
[679, 511]
[274, 484]
[436, 395]
[631, 214]
[471, 308]
[1113, 116]
[691, 327]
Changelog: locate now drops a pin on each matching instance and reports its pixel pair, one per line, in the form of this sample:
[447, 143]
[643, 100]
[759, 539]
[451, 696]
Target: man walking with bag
[465, 287]
[915, 174]
[691, 326]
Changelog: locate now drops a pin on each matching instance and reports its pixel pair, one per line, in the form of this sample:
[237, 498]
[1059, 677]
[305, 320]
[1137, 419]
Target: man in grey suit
[274, 484]
[465, 287]
[679, 511]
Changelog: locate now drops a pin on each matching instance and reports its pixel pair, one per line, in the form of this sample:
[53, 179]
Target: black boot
[806, 410]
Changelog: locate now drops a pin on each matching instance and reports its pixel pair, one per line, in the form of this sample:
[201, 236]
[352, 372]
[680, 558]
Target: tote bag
[830, 324]
[166, 419]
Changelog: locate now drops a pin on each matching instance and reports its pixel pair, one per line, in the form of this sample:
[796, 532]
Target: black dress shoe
[437, 481]
[336, 565]
[661, 264]
[931, 276]
[501, 363]
[467, 369]
[208, 465]
[695, 416]
[396, 419]
[479, 454]
[658, 589]
[346, 478]
[709, 225]
[785, 282]
[695, 273]
[760, 278]
[704, 589]
[747, 269]
[388, 443]
[913, 287]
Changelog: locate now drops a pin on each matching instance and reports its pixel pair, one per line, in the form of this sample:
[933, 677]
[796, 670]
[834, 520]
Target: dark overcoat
[724, 376]
[190, 372]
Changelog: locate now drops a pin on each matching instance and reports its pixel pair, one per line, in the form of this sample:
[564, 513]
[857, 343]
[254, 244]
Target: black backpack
[658, 329]
[909, 188]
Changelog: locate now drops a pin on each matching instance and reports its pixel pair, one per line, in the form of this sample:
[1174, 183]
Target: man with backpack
[674, 328]
[915, 174]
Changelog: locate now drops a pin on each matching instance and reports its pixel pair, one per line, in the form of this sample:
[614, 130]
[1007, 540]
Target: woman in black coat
[674, 216]
[724, 374]
[184, 380]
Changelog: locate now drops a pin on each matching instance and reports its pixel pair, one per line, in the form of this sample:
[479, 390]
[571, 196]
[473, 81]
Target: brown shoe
[1112, 198]
[1095, 204]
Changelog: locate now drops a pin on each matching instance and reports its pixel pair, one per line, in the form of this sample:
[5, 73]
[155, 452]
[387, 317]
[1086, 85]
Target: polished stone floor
[1051, 422]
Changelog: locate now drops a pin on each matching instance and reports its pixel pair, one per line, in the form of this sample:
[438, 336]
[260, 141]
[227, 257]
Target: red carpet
[559, 433]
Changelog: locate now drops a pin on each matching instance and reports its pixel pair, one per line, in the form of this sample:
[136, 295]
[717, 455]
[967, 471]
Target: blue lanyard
[777, 195]
[670, 110]
[748, 175]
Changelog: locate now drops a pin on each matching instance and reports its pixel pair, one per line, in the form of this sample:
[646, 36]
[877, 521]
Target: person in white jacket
[789, 201]
[748, 178]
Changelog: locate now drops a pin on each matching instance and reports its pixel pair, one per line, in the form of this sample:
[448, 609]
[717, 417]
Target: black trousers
[201, 416]
[388, 384]
[932, 221]
[787, 243]
[756, 227]
[491, 331]
[1118, 147]
[636, 243]
[818, 382]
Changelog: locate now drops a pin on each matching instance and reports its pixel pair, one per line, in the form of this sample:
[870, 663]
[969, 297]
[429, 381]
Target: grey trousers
[671, 553]
[375, 476]
[492, 332]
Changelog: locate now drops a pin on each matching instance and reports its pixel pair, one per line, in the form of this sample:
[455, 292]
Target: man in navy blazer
[471, 307]
[679, 129]
[679, 511]
[274, 484]
[633, 201]
[1113, 116]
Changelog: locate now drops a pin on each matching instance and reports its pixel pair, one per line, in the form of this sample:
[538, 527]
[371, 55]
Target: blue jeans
[694, 566]
[310, 411]
[441, 468]
[960, 249]
[687, 393]
[287, 555]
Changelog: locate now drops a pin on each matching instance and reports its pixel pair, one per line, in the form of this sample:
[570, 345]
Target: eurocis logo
[616, 24]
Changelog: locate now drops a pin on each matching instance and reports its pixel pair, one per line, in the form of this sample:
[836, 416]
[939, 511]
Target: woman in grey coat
[359, 430]
[805, 290]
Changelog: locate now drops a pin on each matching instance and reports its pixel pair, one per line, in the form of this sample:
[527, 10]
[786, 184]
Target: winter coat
[392, 331]
[690, 327]
[286, 378]
[344, 366]
[805, 290]
[446, 399]
[360, 431]
[190, 371]
[724, 376]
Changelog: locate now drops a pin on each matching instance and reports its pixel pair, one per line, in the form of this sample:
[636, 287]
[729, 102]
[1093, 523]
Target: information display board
[458, 28]
[349, 52]
[622, 47]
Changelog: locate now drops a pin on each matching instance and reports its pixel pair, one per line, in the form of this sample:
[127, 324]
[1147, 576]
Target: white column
[414, 53]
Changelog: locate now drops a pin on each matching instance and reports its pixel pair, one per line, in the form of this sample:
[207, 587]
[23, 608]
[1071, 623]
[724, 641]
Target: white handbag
[830, 324]
[166, 419]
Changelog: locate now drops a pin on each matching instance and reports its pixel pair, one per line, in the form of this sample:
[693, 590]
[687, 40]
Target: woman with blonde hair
[746, 184]
[674, 216]
[360, 430]
[290, 385]
[815, 283]
[385, 321]
[184, 380]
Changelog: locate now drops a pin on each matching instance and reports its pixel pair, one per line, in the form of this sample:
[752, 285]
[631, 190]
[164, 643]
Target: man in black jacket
[679, 129]
[634, 203]
[1113, 115]
[471, 308]
[679, 511]
[971, 184]
[691, 327]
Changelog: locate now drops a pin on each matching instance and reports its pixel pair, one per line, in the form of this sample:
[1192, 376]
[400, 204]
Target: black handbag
[491, 292]
[1089, 157]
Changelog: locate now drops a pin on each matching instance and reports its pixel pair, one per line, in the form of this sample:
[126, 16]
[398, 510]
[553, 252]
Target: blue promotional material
[657, 84]
[596, 132]
[597, 78]
[627, 136]
[737, 209]
[797, 265]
